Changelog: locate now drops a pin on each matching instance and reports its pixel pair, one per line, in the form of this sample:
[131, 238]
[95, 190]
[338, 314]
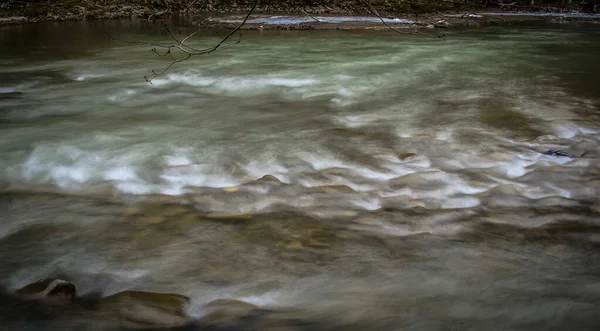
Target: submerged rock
[224, 312]
[269, 179]
[558, 153]
[546, 137]
[147, 309]
[406, 156]
[49, 288]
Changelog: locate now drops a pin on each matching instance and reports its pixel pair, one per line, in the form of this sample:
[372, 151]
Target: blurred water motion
[353, 180]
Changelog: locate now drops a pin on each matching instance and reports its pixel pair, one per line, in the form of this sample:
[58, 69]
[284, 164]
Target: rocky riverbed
[55, 301]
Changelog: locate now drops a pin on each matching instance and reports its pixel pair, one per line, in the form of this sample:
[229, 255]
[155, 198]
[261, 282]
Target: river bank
[288, 15]
[307, 21]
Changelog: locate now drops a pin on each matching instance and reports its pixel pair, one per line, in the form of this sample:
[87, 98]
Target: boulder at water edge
[137, 309]
[226, 312]
[50, 288]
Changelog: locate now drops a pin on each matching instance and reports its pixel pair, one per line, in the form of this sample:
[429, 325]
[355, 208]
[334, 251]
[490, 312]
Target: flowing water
[364, 179]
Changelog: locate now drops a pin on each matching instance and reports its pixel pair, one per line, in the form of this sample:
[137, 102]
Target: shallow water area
[351, 180]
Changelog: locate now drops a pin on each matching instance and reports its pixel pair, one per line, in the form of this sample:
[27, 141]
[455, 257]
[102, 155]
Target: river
[365, 179]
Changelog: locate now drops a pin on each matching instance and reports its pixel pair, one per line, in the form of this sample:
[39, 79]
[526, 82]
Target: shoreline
[308, 21]
[341, 14]
[405, 22]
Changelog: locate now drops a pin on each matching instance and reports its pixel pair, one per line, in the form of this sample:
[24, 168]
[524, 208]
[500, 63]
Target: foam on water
[570, 130]
[461, 202]
[177, 160]
[233, 84]
[379, 107]
[419, 178]
[197, 175]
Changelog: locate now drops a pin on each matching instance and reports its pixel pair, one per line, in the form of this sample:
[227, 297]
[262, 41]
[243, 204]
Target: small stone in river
[557, 153]
[442, 23]
[294, 244]
[269, 179]
[406, 156]
[231, 189]
[546, 137]
[49, 287]
[147, 309]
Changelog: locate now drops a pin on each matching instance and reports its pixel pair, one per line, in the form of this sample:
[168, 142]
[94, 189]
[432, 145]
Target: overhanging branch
[181, 46]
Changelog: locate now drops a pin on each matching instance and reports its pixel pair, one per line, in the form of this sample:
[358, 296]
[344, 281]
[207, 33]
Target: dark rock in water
[49, 288]
[226, 312]
[546, 137]
[406, 156]
[137, 309]
[269, 178]
[558, 153]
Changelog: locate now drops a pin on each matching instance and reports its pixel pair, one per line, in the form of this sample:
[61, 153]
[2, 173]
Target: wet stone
[406, 156]
[546, 137]
[49, 288]
[294, 244]
[269, 179]
[147, 309]
[224, 312]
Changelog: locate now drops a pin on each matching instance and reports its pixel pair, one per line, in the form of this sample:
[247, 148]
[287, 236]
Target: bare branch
[164, 50]
[156, 74]
[414, 32]
[309, 15]
[166, 28]
[181, 45]
[190, 5]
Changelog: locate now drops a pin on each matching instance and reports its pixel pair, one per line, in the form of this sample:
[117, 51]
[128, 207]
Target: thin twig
[309, 15]
[414, 32]
[190, 5]
[189, 51]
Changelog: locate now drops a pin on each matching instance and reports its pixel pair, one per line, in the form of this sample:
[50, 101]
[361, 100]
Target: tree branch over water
[181, 50]
[415, 31]
[181, 45]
